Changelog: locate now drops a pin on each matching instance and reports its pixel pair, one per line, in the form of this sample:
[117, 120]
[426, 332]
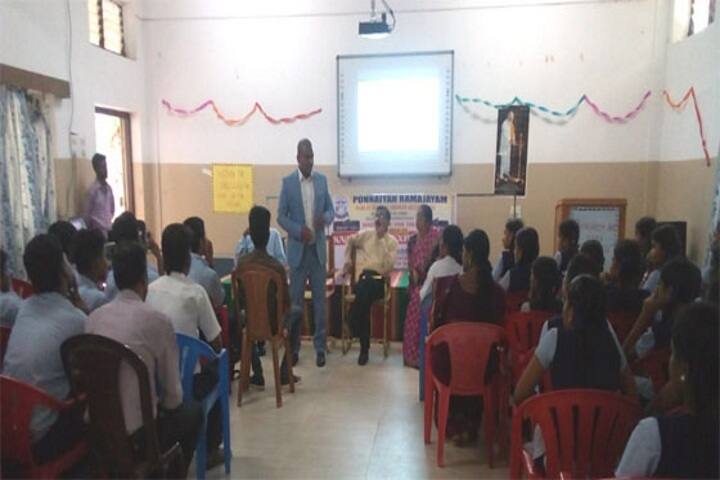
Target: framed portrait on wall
[511, 151]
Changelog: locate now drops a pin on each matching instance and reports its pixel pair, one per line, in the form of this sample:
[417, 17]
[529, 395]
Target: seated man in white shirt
[274, 247]
[201, 264]
[149, 333]
[91, 266]
[189, 309]
[9, 300]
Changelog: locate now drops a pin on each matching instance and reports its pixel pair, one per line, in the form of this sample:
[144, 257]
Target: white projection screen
[395, 114]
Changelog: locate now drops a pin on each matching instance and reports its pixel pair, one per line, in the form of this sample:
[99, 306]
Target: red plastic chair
[622, 322]
[4, 338]
[656, 366]
[18, 400]
[584, 432]
[514, 300]
[470, 345]
[523, 333]
[222, 315]
[22, 288]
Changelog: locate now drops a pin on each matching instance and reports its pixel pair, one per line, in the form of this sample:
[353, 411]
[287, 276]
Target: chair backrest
[523, 329]
[4, 338]
[584, 431]
[514, 300]
[22, 288]
[190, 351]
[330, 256]
[470, 345]
[17, 401]
[256, 280]
[92, 363]
[222, 315]
[622, 322]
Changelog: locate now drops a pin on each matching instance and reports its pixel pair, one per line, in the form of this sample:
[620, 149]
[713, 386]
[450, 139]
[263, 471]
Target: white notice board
[601, 223]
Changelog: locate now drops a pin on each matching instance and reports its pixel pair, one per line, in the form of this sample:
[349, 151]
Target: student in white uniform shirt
[9, 300]
[201, 266]
[683, 445]
[665, 246]
[188, 307]
[449, 263]
[91, 267]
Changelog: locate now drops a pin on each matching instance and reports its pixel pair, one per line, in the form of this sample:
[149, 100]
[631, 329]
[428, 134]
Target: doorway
[112, 139]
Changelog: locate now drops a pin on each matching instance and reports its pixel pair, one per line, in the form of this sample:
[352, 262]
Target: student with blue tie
[305, 209]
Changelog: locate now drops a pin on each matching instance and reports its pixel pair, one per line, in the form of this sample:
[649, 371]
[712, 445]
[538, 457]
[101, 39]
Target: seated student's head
[627, 265]
[259, 221]
[142, 231]
[46, 265]
[382, 220]
[176, 248]
[545, 281]
[197, 227]
[424, 218]
[568, 235]
[65, 233]
[680, 283]
[665, 245]
[511, 228]
[594, 250]
[580, 264]
[125, 228]
[129, 267]
[527, 246]
[476, 250]
[451, 243]
[90, 255]
[643, 231]
[585, 300]
[4, 276]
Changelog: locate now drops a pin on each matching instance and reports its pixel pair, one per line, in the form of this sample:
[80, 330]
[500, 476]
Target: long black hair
[528, 241]
[595, 349]
[452, 237]
[477, 244]
[695, 342]
[547, 284]
[629, 259]
[513, 225]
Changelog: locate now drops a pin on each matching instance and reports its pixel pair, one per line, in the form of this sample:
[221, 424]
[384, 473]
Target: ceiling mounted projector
[377, 26]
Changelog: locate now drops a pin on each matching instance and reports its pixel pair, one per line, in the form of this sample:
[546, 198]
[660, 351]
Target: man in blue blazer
[305, 209]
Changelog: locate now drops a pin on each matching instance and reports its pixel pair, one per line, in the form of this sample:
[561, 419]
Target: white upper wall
[694, 61]
[35, 36]
[550, 54]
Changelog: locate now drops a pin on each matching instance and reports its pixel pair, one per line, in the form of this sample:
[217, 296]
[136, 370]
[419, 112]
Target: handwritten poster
[601, 224]
[232, 188]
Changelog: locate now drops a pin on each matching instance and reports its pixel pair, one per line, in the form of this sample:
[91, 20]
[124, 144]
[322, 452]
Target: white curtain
[27, 174]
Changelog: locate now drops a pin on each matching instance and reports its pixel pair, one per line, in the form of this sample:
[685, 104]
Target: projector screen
[395, 114]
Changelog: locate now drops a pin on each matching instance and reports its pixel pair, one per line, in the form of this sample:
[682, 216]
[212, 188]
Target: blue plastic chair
[425, 308]
[191, 350]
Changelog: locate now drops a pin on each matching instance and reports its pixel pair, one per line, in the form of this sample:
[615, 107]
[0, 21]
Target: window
[692, 16]
[106, 25]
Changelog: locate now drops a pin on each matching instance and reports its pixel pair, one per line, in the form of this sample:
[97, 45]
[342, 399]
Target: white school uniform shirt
[9, 308]
[651, 282]
[642, 452]
[201, 273]
[186, 304]
[90, 294]
[443, 267]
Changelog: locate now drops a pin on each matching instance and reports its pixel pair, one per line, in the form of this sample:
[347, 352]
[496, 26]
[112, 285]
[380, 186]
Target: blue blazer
[291, 215]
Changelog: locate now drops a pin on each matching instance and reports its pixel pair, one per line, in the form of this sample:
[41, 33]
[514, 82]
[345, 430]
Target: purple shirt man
[99, 200]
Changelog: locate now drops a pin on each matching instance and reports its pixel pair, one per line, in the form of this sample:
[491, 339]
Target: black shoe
[363, 358]
[296, 359]
[257, 381]
[284, 380]
[320, 359]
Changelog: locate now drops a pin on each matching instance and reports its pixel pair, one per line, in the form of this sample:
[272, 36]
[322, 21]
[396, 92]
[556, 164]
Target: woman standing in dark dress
[472, 296]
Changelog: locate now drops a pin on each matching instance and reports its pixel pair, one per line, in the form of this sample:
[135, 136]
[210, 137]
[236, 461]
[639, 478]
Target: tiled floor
[344, 421]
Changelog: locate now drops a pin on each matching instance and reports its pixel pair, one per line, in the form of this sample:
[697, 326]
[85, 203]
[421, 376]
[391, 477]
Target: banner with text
[357, 212]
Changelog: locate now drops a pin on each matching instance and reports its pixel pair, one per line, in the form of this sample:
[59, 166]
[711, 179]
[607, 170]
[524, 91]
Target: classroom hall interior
[315, 239]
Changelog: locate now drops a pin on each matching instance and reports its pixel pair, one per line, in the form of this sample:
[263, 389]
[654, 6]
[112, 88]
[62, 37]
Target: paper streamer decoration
[681, 104]
[232, 188]
[595, 108]
[567, 113]
[234, 122]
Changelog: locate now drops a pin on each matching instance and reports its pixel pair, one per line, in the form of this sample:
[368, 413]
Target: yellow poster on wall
[232, 188]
